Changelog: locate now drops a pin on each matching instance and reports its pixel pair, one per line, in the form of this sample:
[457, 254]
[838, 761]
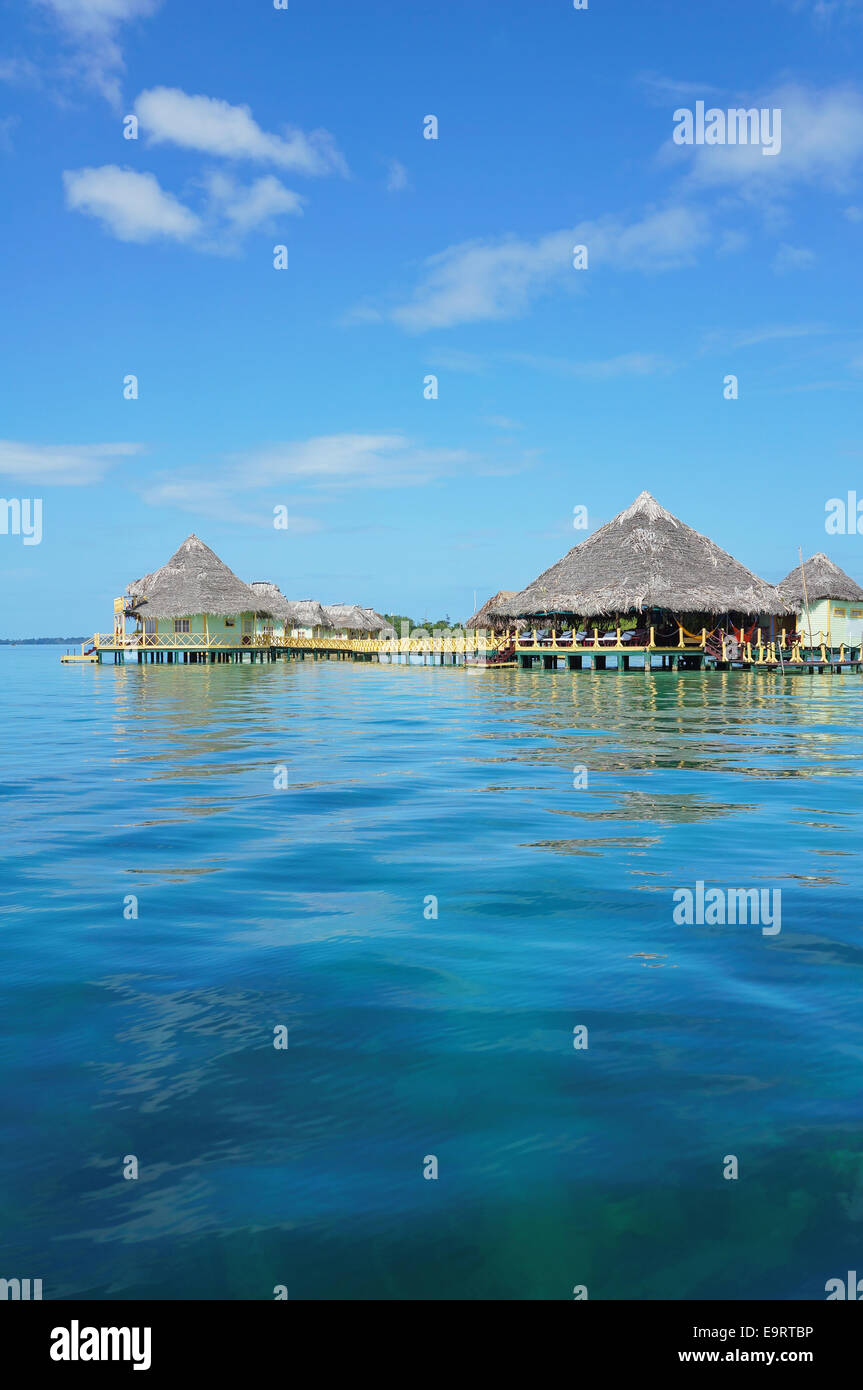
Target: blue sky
[407, 257]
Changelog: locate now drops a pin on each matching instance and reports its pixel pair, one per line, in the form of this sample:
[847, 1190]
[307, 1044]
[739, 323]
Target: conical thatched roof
[307, 612]
[646, 558]
[824, 579]
[350, 616]
[493, 614]
[194, 580]
[273, 597]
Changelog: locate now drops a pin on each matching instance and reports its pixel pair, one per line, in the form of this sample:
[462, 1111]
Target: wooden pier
[527, 651]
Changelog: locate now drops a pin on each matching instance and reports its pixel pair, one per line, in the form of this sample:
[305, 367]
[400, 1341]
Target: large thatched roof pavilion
[646, 559]
[194, 581]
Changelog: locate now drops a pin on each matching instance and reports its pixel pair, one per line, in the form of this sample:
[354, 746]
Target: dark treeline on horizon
[38, 641]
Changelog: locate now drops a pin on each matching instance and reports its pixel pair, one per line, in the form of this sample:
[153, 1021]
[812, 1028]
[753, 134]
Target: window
[839, 612]
[182, 625]
[149, 625]
[857, 612]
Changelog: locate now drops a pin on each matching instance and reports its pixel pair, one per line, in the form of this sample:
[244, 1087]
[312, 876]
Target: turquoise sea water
[410, 1036]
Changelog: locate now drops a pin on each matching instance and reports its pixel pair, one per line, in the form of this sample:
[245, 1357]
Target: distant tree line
[427, 625]
[38, 641]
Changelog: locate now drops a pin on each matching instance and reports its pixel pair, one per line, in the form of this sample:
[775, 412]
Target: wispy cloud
[663, 90]
[722, 338]
[313, 467]
[397, 176]
[93, 28]
[790, 258]
[488, 280]
[68, 464]
[168, 115]
[825, 12]
[627, 364]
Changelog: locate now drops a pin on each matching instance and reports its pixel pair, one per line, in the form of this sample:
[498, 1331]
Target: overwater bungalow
[308, 619]
[827, 603]
[277, 623]
[349, 620]
[379, 625]
[647, 581]
[193, 600]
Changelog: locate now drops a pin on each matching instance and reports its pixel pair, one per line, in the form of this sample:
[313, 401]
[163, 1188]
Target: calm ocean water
[410, 1036]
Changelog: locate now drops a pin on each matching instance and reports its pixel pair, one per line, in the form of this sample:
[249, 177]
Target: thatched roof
[824, 579]
[307, 612]
[492, 613]
[646, 558]
[194, 580]
[272, 596]
[350, 616]
[378, 622]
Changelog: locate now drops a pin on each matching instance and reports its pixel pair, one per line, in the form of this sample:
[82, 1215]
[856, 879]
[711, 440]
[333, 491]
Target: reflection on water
[417, 1029]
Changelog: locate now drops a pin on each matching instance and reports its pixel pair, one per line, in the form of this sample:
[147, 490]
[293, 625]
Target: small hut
[195, 593]
[827, 602]
[647, 565]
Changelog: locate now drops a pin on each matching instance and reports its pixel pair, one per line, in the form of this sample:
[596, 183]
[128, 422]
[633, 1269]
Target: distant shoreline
[39, 641]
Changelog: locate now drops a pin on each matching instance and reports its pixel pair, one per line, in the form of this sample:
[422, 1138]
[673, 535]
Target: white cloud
[481, 280]
[93, 27]
[135, 207]
[825, 11]
[345, 460]
[236, 209]
[168, 115]
[397, 176]
[722, 339]
[790, 258]
[662, 90]
[61, 463]
[627, 364]
[322, 464]
[129, 204]
[822, 145]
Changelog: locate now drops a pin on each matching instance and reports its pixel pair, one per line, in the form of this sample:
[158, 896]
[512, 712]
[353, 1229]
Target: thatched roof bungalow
[379, 625]
[646, 561]
[349, 620]
[829, 602]
[196, 593]
[307, 618]
[272, 596]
